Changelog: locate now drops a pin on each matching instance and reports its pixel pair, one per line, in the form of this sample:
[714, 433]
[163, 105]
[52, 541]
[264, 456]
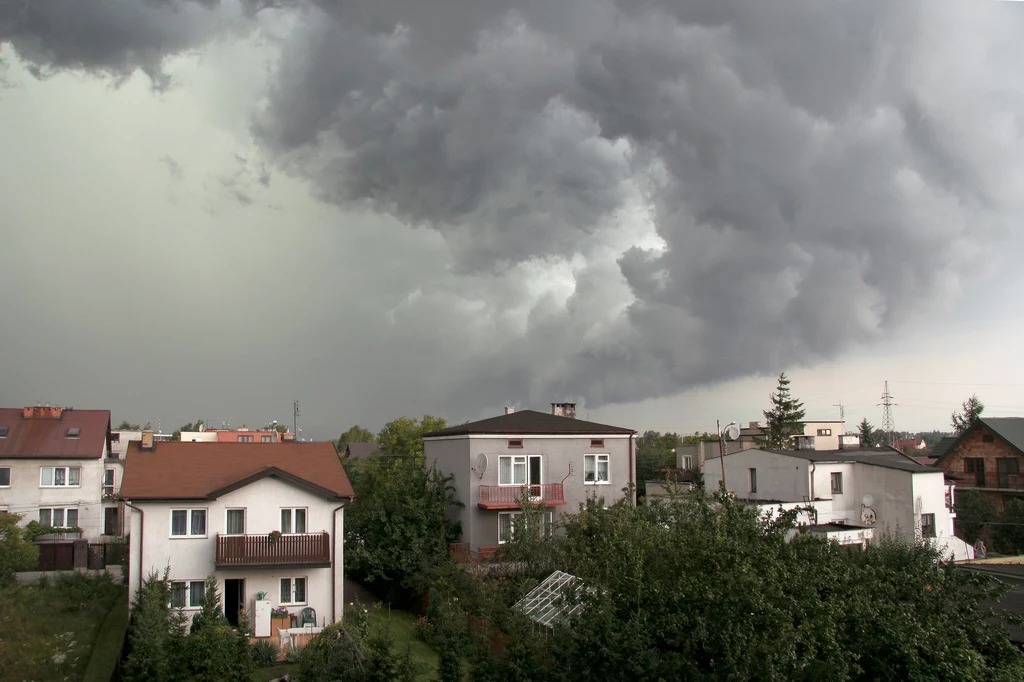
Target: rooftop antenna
[295, 419]
[842, 411]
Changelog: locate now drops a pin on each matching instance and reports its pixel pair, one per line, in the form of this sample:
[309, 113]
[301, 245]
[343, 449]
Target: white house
[53, 468]
[268, 520]
[852, 491]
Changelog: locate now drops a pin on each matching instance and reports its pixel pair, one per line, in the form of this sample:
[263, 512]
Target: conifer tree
[783, 419]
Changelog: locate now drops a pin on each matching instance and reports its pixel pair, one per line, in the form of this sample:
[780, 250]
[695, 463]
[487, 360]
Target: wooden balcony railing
[309, 549]
[990, 479]
[509, 496]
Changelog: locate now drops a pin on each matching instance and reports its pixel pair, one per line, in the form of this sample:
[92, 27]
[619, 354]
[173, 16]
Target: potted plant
[274, 536]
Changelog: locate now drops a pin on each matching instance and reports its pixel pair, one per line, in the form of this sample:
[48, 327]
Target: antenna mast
[888, 426]
[842, 411]
[295, 420]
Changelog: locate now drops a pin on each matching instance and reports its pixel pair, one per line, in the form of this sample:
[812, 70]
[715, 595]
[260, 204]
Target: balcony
[312, 550]
[508, 496]
[991, 481]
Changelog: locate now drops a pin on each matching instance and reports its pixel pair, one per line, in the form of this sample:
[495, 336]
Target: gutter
[632, 469]
[142, 536]
[334, 560]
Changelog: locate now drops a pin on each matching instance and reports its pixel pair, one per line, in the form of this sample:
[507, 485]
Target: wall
[779, 477]
[26, 496]
[194, 558]
[973, 445]
[831, 442]
[198, 436]
[562, 463]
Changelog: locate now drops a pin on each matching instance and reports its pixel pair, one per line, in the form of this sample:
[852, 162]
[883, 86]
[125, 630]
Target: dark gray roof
[890, 459]
[529, 422]
[1010, 429]
[943, 446]
[360, 450]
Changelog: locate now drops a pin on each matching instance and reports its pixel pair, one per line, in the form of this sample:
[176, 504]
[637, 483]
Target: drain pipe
[334, 562]
[632, 469]
[142, 536]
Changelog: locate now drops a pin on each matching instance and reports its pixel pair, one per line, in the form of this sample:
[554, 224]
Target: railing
[990, 479]
[263, 550]
[509, 496]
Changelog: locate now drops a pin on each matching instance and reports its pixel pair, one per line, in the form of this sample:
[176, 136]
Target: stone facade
[975, 460]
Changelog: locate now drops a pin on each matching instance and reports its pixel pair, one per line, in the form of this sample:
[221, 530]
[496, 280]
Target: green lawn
[272, 673]
[49, 628]
[400, 623]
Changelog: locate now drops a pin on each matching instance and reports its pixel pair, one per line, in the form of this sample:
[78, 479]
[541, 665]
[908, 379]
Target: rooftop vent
[509, 410]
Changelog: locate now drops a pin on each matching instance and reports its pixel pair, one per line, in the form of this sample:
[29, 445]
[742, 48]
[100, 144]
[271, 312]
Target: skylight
[73, 432]
[3, 431]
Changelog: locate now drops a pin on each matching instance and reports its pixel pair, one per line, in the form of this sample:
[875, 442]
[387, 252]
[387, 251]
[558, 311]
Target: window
[293, 590]
[187, 594]
[928, 525]
[54, 477]
[188, 522]
[74, 432]
[5, 477]
[512, 470]
[235, 522]
[110, 521]
[988, 438]
[824, 432]
[293, 521]
[108, 482]
[265, 439]
[595, 469]
[115, 437]
[687, 461]
[597, 442]
[3, 431]
[245, 439]
[753, 480]
[837, 482]
[507, 525]
[59, 517]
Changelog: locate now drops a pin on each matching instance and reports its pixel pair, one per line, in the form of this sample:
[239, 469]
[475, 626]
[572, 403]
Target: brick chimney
[42, 412]
[288, 436]
[147, 440]
[509, 410]
[564, 410]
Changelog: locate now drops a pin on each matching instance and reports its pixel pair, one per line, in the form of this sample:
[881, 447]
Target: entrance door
[535, 478]
[234, 599]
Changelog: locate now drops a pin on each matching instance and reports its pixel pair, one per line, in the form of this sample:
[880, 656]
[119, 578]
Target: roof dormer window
[3, 431]
[74, 432]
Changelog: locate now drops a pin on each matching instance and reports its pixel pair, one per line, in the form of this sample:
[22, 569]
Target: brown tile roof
[47, 437]
[525, 422]
[199, 471]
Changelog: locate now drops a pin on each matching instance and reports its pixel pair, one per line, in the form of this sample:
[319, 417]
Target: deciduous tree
[974, 510]
[17, 553]
[404, 436]
[654, 451]
[356, 434]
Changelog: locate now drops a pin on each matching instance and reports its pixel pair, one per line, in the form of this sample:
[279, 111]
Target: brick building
[989, 457]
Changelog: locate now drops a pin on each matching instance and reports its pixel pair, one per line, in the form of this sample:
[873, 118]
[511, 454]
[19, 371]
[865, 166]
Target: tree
[974, 510]
[783, 419]
[17, 553]
[397, 529]
[1009, 533]
[187, 427]
[867, 433]
[216, 651]
[353, 649]
[404, 436]
[701, 588]
[125, 426]
[654, 452]
[356, 434]
[156, 640]
[970, 411]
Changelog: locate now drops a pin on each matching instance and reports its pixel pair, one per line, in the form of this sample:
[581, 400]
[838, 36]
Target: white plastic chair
[285, 637]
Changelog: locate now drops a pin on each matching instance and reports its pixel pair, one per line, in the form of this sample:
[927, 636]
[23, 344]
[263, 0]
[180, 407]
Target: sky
[380, 208]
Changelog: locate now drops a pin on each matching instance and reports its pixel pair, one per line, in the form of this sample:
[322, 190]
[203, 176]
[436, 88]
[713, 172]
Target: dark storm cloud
[814, 170]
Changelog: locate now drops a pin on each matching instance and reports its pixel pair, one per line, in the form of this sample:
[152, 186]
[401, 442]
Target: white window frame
[824, 432]
[227, 526]
[547, 519]
[687, 461]
[935, 531]
[10, 477]
[291, 590]
[291, 520]
[67, 477]
[64, 517]
[514, 460]
[189, 605]
[189, 535]
[832, 482]
[597, 460]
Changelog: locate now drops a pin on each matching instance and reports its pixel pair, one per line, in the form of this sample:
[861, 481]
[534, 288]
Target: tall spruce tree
[783, 419]
[970, 413]
[867, 433]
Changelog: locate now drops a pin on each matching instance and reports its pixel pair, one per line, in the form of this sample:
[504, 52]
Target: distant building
[242, 435]
[987, 457]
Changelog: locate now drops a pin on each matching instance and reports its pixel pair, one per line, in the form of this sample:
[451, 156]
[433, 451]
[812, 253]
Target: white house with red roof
[266, 519]
[53, 468]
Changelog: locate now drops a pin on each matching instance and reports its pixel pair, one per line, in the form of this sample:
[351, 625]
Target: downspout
[334, 562]
[142, 536]
[632, 485]
[812, 481]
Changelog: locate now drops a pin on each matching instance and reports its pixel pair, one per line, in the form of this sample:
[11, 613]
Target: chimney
[147, 440]
[564, 410]
[509, 410]
[288, 436]
[754, 425]
[41, 412]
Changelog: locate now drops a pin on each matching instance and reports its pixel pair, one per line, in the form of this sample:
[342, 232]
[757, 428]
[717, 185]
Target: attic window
[3, 431]
[73, 432]
[597, 442]
[515, 442]
[988, 438]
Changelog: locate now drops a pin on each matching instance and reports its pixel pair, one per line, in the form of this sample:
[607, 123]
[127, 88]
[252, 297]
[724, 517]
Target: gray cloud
[817, 174]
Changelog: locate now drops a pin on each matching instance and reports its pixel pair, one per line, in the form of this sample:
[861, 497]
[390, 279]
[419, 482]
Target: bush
[293, 654]
[264, 653]
[17, 553]
[219, 653]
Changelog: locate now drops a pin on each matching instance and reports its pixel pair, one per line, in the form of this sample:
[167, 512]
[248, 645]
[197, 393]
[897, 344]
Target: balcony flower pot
[274, 536]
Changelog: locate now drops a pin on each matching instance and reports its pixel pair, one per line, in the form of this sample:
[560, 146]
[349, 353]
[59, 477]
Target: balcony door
[976, 466]
[1007, 467]
[535, 477]
[234, 598]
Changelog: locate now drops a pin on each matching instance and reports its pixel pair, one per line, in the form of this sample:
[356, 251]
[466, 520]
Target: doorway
[234, 598]
[535, 477]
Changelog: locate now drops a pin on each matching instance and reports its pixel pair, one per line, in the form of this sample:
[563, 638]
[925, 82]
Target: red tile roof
[46, 436]
[197, 471]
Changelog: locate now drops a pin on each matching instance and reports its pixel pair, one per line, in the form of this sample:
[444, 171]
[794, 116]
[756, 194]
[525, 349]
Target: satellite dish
[868, 500]
[732, 431]
[480, 466]
[867, 517]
